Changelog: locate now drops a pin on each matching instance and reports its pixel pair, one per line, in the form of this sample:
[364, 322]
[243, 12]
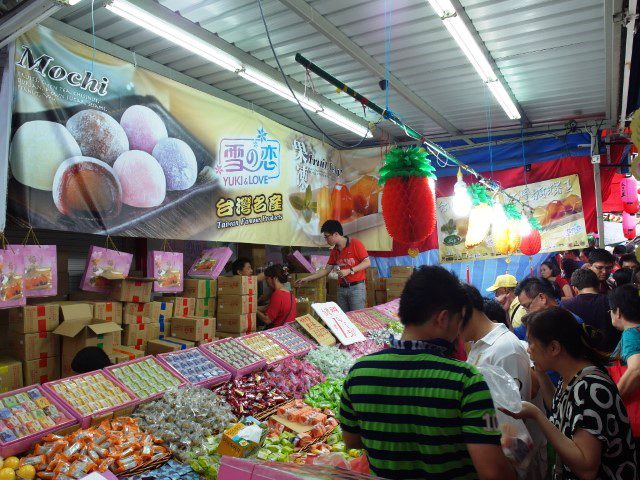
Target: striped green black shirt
[416, 409]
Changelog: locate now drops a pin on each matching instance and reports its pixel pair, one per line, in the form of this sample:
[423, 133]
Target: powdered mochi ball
[98, 135]
[178, 162]
[142, 179]
[144, 127]
[37, 150]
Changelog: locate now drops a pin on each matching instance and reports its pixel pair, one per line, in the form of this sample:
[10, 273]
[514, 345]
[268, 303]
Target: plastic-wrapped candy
[396, 327]
[381, 337]
[171, 470]
[359, 349]
[251, 395]
[204, 458]
[325, 395]
[331, 361]
[184, 417]
[294, 377]
[277, 448]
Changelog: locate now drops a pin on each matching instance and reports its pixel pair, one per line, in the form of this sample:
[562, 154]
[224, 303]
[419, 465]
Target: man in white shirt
[494, 344]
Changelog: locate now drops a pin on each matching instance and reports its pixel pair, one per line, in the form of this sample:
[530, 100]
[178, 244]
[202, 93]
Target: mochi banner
[102, 146]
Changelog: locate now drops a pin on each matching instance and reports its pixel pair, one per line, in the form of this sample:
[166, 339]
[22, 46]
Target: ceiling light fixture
[469, 46]
[180, 37]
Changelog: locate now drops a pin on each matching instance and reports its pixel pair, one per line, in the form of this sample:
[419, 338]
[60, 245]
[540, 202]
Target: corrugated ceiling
[551, 54]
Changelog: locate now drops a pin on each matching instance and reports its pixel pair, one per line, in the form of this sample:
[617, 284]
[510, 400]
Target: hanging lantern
[629, 194]
[531, 243]
[461, 202]
[480, 215]
[408, 201]
[629, 223]
[506, 229]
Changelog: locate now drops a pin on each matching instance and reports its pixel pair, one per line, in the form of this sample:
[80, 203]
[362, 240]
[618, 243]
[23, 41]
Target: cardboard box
[229, 335]
[135, 319]
[192, 328]
[257, 254]
[153, 331]
[164, 328]
[371, 298]
[129, 353]
[82, 296]
[393, 295]
[10, 374]
[371, 273]
[396, 283]
[109, 311]
[135, 336]
[34, 319]
[233, 444]
[79, 329]
[237, 304]
[200, 288]
[168, 344]
[317, 283]
[184, 307]
[132, 289]
[380, 297]
[32, 346]
[237, 285]
[380, 284]
[311, 292]
[232, 323]
[41, 371]
[143, 309]
[401, 271]
[206, 307]
[332, 286]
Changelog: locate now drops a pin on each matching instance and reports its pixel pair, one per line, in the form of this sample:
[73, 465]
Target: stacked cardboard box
[395, 284]
[256, 254]
[30, 339]
[315, 291]
[237, 304]
[10, 374]
[79, 329]
[332, 289]
[205, 293]
[194, 329]
[376, 288]
[167, 344]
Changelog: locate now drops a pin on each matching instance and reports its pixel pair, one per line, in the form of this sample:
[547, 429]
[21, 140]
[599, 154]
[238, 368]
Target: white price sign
[333, 316]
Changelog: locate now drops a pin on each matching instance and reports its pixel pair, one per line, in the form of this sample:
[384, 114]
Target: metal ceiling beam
[25, 16]
[335, 35]
[462, 13]
[612, 45]
[143, 62]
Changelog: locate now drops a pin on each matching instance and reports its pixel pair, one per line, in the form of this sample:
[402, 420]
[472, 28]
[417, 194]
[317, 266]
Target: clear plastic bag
[516, 442]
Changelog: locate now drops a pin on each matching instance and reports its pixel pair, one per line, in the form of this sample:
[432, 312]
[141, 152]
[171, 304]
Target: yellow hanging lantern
[479, 216]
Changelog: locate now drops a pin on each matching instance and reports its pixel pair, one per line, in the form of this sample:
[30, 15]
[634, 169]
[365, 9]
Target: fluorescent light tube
[74, 2]
[174, 34]
[469, 46]
[184, 39]
[344, 122]
[279, 88]
[503, 98]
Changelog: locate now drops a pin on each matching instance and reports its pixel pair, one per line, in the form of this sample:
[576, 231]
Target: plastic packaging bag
[516, 442]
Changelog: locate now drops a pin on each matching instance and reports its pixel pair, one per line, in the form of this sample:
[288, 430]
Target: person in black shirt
[589, 424]
[593, 308]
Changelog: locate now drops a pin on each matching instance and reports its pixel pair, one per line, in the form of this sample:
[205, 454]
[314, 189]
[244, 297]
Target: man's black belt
[349, 284]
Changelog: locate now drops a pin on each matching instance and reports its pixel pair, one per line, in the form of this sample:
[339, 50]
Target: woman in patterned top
[589, 427]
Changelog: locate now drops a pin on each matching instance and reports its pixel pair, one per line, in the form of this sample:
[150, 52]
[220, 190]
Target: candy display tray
[235, 372]
[299, 353]
[95, 417]
[272, 362]
[170, 371]
[23, 444]
[207, 383]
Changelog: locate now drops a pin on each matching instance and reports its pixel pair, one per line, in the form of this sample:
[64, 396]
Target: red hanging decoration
[408, 202]
[531, 243]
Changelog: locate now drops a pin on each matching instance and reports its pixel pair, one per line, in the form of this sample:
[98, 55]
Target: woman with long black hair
[589, 426]
[549, 270]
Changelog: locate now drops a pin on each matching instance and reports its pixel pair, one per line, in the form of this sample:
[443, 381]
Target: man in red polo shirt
[350, 259]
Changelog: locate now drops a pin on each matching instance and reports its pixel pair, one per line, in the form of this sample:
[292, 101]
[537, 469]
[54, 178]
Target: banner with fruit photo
[496, 227]
[101, 146]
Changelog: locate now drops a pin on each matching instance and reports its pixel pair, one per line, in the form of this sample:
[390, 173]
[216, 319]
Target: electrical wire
[334, 142]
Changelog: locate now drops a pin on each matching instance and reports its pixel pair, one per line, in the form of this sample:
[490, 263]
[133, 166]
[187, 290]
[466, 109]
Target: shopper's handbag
[616, 371]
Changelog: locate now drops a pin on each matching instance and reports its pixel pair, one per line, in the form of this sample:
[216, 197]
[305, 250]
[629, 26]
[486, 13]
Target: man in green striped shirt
[419, 413]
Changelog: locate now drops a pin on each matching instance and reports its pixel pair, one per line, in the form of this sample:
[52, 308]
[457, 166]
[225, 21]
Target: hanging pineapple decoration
[408, 201]
[506, 236]
[480, 215]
